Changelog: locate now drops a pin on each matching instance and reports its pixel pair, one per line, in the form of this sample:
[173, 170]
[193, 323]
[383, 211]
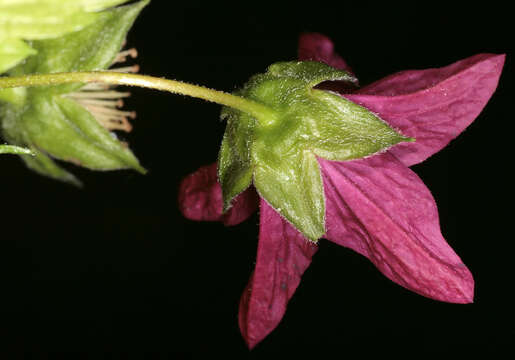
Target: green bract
[278, 153]
[41, 19]
[47, 119]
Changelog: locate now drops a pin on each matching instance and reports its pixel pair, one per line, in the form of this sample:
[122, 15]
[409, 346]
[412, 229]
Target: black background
[113, 269]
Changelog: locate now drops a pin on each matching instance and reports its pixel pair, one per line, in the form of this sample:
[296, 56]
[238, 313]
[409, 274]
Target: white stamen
[114, 123]
[107, 103]
[100, 94]
[111, 112]
[126, 69]
[122, 55]
[104, 103]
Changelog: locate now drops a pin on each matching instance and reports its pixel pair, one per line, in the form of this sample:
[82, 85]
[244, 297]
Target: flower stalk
[260, 112]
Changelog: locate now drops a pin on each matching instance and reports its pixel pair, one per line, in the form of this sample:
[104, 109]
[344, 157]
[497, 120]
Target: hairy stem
[259, 111]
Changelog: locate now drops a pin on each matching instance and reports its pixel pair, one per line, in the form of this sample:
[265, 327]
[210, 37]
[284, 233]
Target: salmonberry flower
[348, 180]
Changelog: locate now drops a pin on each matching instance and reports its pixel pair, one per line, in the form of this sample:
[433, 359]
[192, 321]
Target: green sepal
[44, 19]
[347, 131]
[44, 165]
[12, 52]
[16, 96]
[11, 149]
[93, 48]
[292, 185]
[111, 154]
[63, 129]
[309, 73]
[281, 151]
[51, 124]
[234, 159]
[97, 5]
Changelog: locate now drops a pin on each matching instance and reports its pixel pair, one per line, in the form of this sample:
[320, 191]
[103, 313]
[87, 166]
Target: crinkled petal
[200, 198]
[381, 209]
[434, 106]
[282, 257]
[318, 47]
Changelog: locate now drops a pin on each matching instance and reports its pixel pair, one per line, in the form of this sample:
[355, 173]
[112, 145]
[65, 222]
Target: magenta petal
[433, 106]
[282, 257]
[317, 47]
[200, 198]
[381, 209]
[410, 81]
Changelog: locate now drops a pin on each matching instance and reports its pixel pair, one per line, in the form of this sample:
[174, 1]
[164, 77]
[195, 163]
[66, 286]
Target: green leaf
[13, 51]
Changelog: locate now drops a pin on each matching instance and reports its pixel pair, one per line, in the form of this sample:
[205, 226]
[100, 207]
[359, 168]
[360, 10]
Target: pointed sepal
[279, 152]
[234, 159]
[65, 130]
[10, 149]
[292, 185]
[12, 52]
[311, 73]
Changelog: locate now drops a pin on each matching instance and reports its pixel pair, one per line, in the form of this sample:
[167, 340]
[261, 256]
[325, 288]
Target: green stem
[261, 112]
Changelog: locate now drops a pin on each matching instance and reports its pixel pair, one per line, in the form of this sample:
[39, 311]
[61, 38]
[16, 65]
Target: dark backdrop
[114, 268]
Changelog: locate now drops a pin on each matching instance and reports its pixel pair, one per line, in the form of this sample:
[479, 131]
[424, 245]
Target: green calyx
[278, 153]
[42, 19]
[57, 122]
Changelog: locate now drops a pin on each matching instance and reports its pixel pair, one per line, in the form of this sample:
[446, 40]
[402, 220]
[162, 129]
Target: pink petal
[381, 209]
[433, 106]
[410, 81]
[282, 257]
[317, 47]
[200, 198]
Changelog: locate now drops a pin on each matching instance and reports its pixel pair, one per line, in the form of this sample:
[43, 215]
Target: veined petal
[434, 106]
[381, 209]
[410, 81]
[317, 47]
[200, 198]
[282, 257]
